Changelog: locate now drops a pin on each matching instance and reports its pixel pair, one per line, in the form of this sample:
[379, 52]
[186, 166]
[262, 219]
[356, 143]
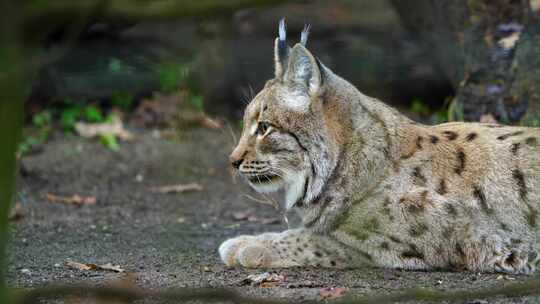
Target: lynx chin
[374, 188]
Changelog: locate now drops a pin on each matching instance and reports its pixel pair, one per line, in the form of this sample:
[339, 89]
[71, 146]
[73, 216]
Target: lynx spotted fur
[375, 188]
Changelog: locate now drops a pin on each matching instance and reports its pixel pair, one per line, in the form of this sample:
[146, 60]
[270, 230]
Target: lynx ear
[281, 50]
[303, 70]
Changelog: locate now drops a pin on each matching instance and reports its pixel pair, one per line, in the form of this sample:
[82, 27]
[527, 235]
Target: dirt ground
[169, 240]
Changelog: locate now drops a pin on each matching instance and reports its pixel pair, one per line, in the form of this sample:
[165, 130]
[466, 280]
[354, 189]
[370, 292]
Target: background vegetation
[155, 63]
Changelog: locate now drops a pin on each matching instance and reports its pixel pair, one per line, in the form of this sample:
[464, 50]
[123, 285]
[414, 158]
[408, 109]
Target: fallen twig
[177, 188]
[75, 199]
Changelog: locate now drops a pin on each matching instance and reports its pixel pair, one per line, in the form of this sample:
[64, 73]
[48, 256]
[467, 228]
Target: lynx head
[286, 142]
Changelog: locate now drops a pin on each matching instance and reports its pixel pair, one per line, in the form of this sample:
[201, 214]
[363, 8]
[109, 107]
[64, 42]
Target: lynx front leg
[297, 247]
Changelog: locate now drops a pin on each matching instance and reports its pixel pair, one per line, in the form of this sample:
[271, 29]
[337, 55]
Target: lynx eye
[262, 128]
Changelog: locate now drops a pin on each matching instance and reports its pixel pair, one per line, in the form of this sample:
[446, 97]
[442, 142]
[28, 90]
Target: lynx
[374, 188]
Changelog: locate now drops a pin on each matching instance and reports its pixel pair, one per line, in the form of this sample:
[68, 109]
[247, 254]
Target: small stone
[25, 271]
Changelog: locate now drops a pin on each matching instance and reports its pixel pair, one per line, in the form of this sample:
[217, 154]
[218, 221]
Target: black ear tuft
[304, 34]
[283, 48]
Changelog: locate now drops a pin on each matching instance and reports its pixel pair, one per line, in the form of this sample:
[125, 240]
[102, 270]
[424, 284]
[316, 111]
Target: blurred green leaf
[197, 101]
[123, 100]
[115, 65]
[92, 114]
[110, 142]
[455, 111]
[171, 76]
[69, 117]
[418, 107]
[531, 121]
[441, 116]
[110, 117]
[43, 118]
[27, 144]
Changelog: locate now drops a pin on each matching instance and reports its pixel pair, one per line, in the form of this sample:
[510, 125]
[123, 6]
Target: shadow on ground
[168, 240]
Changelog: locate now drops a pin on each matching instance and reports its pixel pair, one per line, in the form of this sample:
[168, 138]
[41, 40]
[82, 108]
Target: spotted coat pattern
[375, 188]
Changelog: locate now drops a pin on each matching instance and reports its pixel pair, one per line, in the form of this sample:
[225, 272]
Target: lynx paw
[245, 251]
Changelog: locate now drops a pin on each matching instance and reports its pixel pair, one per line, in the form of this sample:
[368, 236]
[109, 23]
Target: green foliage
[69, 116]
[531, 121]
[71, 112]
[419, 107]
[115, 65]
[441, 116]
[93, 114]
[171, 75]
[455, 111]
[197, 101]
[110, 142]
[122, 100]
[42, 119]
[27, 144]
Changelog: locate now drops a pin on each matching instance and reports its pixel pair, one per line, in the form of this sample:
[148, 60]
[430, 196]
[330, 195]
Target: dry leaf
[242, 215]
[488, 118]
[266, 277]
[210, 123]
[510, 41]
[110, 267]
[160, 110]
[71, 200]
[114, 128]
[177, 188]
[80, 266]
[167, 110]
[251, 217]
[330, 293]
[89, 266]
[16, 213]
[270, 284]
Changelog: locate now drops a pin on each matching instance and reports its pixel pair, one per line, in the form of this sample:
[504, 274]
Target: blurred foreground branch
[131, 10]
[207, 295]
[13, 87]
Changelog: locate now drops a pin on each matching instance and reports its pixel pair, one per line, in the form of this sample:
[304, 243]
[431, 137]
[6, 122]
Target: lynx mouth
[263, 178]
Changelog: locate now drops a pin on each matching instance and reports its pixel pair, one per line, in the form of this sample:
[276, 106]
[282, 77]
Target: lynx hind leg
[290, 248]
[518, 262]
[495, 255]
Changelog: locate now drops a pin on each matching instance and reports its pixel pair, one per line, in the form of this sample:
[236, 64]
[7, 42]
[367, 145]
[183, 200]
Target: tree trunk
[486, 49]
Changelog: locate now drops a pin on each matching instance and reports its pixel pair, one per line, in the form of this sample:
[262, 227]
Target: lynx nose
[236, 160]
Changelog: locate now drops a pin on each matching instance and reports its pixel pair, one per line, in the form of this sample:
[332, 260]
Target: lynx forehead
[375, 188]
